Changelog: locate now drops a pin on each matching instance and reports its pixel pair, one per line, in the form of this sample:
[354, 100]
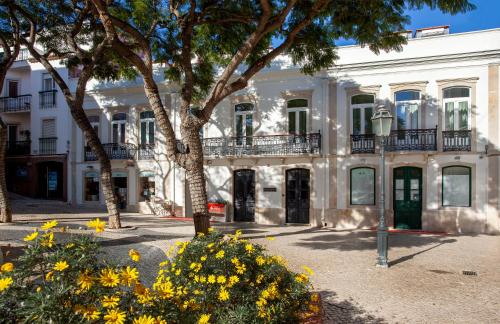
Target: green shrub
[210, 279]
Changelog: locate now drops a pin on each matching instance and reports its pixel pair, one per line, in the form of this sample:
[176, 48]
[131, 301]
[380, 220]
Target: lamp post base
[382, 245]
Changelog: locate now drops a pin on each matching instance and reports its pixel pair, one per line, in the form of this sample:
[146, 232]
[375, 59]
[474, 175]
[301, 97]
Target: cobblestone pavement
[424, 283]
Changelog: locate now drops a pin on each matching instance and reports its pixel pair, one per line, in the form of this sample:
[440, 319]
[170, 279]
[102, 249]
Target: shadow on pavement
[345, 311]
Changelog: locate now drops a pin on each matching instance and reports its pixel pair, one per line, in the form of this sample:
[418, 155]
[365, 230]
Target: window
[147, 120]
[243, 123]
[297, 116]
[407, 106]
[362, 112]
[363, 186]
[456, 186]
[48, 93]
[92, 186]
[147, 185]
[118, 127]
[12, 88]
[456, 102]
[48, 128]
[47, 82]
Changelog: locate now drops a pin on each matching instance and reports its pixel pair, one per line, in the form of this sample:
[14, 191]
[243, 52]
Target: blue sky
[486, 16]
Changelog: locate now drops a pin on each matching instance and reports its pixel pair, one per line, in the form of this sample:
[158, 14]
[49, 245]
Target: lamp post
[381, 125]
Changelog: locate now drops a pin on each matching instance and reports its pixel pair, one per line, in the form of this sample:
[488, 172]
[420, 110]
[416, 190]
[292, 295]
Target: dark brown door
[297, 196]
[244, 195]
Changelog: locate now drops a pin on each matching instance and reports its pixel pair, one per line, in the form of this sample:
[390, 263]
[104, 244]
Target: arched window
[243, 123]
[362, 112]
[297, 116]
[456, 103]
[363, 186]
[407, 107]
[118, 126]
[147, 120]
[456, 186]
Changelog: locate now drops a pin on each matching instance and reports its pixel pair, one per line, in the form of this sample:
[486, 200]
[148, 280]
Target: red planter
[216, 208]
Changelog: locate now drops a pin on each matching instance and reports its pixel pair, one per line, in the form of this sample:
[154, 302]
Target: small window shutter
[48, 128]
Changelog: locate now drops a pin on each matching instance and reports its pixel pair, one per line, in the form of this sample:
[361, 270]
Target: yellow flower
[249, 248]
[134, 255]
[61, 265]
[270, 238]
[308, 270]
[223, 295]
[211, 279]
[219, 254]
[233, 280]
[85, 280]
[49, 275]
[114, 316]
[48, 240]
[165, 290]
[90, 313]
[301, 278]
[38, 289]
[145, 319]
[31, 236]
[260, 260]
[159, 320]
[7, 267]
[203, 258]
[210, 229]
[235, 261]
[221, 280]
[69, 245]
[204, 319]
[97, 224]
[49, 225]
[129, 275]
[109, 278]
[5, 283]
[110, 301]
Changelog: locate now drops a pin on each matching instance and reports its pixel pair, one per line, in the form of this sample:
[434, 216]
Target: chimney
[432, 31]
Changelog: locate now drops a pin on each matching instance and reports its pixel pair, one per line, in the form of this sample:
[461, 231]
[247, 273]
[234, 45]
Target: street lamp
[381, 125]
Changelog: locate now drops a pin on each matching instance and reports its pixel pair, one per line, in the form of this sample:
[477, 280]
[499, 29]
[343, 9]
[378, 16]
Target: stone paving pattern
[424, 283]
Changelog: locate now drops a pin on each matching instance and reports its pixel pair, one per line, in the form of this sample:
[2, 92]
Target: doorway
[121, 188]
[407, 197]
[244, 195]
[297, 196]
[50, 180]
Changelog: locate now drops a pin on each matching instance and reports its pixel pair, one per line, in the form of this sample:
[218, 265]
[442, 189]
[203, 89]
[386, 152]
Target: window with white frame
[362, 112]
[407, 109]
[297, 116]
[48, 83]
[456, 186]
[147, 120]
[363, 186]
[118, 127]
[94, 122]
[243, 123]
[456, 103]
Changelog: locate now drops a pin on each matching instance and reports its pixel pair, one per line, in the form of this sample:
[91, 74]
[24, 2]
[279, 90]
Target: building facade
[293, 148]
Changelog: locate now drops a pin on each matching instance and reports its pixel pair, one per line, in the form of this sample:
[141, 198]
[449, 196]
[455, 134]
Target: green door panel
[407, 198]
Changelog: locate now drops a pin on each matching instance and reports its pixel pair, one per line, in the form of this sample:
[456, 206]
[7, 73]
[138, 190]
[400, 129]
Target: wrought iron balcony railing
[363, 143]
[15, 104]
[23, 55]
[412, 140]
[263, 145]
[459, 140]
[47, 145]
[146, 151]
[48, 99]
[18, 148]
[115, 151]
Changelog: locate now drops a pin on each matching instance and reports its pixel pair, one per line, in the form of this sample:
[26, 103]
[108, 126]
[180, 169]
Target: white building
[292, 148]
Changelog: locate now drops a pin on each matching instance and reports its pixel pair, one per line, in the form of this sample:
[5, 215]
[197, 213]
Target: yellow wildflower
[129, 275]
[241, 268]
[110, 301]
[31, 236]
[143, 294]
[200, 234]
[48, 225]
[7, 267]
[203, 279]
[219, 254]
[134, 255]
[270, 238]
[145, 319]
[85, 280]
[165, 290]
[70, 245]
[61, 265]
[223, 295]
[308, 270]
[5, 283]
[211, 279]
[204, 319]
[260, 260]
[97, 224]
[48, 239]
[221, 279]
[38, 289]
[109, 278]
[114, 316]
[90, 313]
[210, 229]
[233, 280]
[235, 260]
[249, 248]
[49, 275]
[301, 278]
[203, 258]
[159, 320]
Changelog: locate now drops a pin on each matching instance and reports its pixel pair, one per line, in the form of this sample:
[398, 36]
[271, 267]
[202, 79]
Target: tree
[197, 39]
[10, 43]
[68, 31]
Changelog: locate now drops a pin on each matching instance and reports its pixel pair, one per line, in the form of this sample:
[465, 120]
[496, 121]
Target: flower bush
[210, 279]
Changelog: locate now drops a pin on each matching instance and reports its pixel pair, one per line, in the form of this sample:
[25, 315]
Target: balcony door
[244, 195]
[407, 109]
[457, 119]
[243, 123]
[13, 88]
[118, 126]
[407, 197]
[297, 196]
[147, 128]
[297, 116]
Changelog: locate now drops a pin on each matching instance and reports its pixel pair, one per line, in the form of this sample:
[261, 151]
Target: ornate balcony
[47, 145]
[363, 143]
[115, 151]
[15, 104]
[412, 140]
[272, 145]
[48, 99]
[146, 151]
[18, 148]
[459, 140]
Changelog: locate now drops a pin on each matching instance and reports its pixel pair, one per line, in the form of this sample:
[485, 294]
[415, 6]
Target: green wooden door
[407, 198]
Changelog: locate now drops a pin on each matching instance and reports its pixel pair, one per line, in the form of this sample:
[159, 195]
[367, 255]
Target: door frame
[234, 193]
[310, 192]
[423, 196]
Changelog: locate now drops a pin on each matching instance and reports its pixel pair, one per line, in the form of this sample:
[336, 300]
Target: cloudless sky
[485, 16]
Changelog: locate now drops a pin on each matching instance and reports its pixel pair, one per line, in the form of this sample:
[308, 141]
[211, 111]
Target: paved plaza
[424, 283]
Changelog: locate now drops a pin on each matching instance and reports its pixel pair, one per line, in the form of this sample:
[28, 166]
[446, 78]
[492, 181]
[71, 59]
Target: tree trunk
[5, 211]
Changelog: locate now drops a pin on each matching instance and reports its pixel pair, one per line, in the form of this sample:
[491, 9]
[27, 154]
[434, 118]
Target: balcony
[23, 55]
[146, 151]
[18, 148]
[459, 140]
[15, 104]
[47, 145]
[272, 145]
[115, 151]
[412, 140]
[362, 143]
[48, 99]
